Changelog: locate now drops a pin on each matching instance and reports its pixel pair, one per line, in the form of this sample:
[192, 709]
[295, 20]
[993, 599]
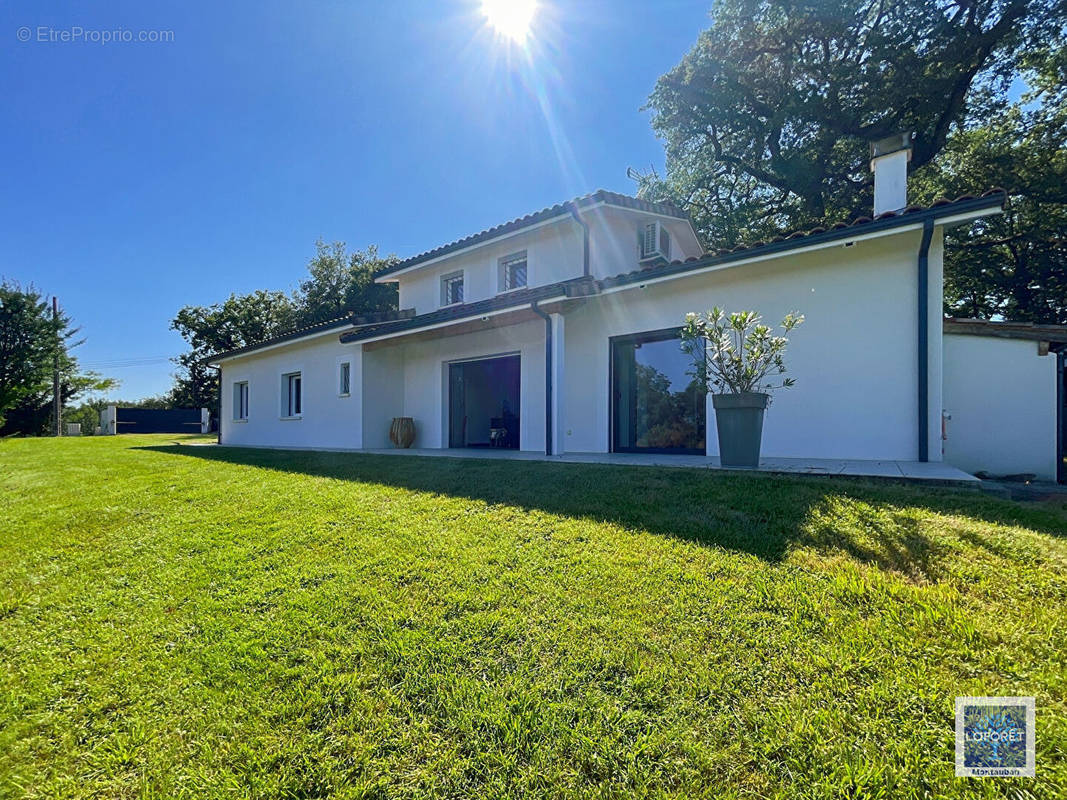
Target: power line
[126, 362]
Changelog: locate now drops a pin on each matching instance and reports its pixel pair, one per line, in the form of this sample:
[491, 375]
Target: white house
[557, 333]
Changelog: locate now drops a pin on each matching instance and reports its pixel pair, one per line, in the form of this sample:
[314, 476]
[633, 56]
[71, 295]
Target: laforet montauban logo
[995, 737]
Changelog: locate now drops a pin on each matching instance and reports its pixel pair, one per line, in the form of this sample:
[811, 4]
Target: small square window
[240, 400]
[513, 272]
[452, 289]
[344, 383]
[291, 395]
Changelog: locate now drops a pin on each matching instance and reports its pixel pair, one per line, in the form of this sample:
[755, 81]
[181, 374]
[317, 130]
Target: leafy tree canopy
[1012, 265]
[769, 118]
[32, 344]
[239, 321]
[338, 283]
[768, 121]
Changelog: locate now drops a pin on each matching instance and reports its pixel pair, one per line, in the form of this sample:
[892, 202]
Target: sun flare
[510, 18]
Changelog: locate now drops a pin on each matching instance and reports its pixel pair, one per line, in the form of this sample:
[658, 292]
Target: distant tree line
[768, 119]
[32, 342]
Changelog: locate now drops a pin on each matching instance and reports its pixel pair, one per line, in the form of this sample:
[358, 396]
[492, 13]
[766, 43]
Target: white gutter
[565, 214]
[956, 219]
[550, 221]
[457, 320]
[257, 350]
[916, 226]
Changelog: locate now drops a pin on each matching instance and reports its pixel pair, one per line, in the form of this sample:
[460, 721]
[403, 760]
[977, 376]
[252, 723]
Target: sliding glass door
[656, 405]
[484, 397]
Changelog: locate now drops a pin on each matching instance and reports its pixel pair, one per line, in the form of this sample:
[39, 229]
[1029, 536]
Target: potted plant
[732, 356]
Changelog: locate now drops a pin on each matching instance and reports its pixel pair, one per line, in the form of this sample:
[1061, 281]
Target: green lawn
[182, 621]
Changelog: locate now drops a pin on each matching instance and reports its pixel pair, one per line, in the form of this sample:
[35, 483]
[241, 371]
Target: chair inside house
[482, 394]
[504, 431]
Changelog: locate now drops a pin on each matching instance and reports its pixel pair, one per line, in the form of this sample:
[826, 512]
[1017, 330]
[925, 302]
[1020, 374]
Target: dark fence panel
[158, 420]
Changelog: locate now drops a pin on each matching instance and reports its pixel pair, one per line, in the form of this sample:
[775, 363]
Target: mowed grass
[181, 621]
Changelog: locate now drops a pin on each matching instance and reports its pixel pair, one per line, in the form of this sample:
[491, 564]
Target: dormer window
[512, 272]
[452, 289]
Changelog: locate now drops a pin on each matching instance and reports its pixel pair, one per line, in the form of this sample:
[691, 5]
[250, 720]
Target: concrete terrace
[910, 471]
[927, 473]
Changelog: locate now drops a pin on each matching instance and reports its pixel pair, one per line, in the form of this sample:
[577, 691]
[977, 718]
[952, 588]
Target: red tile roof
[558, 210]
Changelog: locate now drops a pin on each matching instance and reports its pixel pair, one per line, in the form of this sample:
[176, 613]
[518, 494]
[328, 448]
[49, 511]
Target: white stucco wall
[424, 392]
[614, 246]
[854, 359]
[553, 253]
[328, 420]
[1001, 397]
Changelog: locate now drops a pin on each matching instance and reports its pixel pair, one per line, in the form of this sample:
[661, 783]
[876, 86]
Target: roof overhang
[479, 321]
[393, 277]
[561, 212]
[487, 322]
[953, 213]
[508, 310]
[1007, 329]
[216, 361]
[331, 327]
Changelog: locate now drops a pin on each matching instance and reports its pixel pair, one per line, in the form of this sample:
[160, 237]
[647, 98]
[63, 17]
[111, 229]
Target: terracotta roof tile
[575, 287]
[398, 322]
[347, 321]
[1007, 329]
[558, 210]
[793, 239]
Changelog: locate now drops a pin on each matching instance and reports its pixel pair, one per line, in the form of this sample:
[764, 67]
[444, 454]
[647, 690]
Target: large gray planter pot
[739, 420]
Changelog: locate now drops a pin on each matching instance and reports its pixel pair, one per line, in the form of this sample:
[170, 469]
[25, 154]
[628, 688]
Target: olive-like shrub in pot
[733, 355]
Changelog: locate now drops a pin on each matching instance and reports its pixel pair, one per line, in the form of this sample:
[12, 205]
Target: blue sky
[141, 177]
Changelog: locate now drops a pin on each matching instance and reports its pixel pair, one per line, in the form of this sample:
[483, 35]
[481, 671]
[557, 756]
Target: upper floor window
[240, 400]
[344, 380]
[452, 288]
[291, 395]
[512, 272]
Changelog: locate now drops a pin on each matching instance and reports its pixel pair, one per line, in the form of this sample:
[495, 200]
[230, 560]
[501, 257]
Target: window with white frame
[240, 400]
[452, 288]
[344, 379]
[512, 272]
[291, 394]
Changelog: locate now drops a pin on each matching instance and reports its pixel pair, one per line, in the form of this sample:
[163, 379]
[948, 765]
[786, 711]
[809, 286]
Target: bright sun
[511, 18]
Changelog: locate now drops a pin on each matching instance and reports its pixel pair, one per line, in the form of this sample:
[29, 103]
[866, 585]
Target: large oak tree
[1012, 265]
[768, 119]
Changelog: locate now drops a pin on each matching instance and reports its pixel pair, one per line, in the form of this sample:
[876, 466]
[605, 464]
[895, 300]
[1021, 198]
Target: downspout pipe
[924, 340]
[548, 375]
[218, 437]
[573, 209]
[1061, 409]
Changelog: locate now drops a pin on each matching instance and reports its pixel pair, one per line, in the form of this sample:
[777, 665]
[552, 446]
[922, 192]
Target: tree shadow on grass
[763, 515]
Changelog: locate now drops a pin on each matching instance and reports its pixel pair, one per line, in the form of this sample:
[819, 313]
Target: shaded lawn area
[215, 622]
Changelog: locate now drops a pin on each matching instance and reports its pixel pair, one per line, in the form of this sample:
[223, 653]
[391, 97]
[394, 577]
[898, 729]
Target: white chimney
[889, 163]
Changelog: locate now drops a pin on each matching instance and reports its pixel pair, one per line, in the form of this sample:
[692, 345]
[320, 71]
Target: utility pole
[57, 402]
